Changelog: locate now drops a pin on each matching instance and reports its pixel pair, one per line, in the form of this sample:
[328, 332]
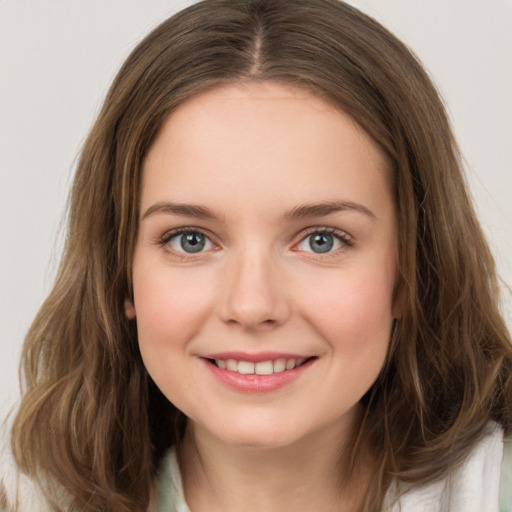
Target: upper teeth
[262, 368]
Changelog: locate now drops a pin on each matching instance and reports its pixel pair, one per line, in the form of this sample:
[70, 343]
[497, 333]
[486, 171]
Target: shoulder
[477, 481]
[18, 493]
[474, 486]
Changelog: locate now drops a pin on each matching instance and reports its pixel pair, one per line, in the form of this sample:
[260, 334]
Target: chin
[256, 435]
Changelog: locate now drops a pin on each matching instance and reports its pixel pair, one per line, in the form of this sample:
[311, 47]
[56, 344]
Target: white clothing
[473, 487]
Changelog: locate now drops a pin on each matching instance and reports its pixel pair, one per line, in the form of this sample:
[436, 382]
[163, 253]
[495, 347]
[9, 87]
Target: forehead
[279, 141]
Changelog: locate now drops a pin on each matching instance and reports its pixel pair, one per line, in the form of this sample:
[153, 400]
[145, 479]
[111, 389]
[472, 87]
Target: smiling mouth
[260, 368]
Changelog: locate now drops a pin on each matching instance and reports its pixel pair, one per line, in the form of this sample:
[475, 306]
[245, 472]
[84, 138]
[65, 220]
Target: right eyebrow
[187, 210]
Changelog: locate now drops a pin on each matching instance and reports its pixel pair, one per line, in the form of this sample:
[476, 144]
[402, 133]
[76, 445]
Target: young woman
[275, 294]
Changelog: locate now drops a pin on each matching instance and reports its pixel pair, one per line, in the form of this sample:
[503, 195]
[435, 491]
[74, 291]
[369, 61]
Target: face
[265, 264]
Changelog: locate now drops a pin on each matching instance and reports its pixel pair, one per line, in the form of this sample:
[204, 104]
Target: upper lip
[254, 357]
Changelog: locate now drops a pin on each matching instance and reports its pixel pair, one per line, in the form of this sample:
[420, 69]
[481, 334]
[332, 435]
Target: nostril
[251, 323]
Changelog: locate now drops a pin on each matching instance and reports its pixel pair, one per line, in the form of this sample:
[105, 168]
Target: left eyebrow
[322, 209]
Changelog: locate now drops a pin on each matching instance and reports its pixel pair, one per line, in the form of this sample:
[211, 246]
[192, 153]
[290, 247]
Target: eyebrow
[187, 210]
[327, 208]
[299, 212]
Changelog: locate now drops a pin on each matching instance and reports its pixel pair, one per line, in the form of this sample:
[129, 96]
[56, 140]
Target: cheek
[354, 317]
[169, 307]
[353, 310]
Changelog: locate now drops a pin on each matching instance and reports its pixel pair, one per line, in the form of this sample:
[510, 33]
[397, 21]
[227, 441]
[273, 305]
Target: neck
[311, 474]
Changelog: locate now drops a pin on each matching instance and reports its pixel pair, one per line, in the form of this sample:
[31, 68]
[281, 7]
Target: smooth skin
[267, 224]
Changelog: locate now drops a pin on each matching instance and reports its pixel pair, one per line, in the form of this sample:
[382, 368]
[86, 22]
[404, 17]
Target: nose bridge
[254, 296]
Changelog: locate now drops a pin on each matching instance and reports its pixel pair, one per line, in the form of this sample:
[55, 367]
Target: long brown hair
[92, 422]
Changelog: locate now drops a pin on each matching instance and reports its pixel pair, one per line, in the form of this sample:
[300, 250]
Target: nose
[255, 292]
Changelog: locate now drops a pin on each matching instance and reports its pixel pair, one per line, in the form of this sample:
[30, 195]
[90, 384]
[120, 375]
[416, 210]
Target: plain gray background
[58, 57]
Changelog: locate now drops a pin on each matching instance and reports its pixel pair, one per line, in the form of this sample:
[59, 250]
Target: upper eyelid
[187, 229]
[325, 229]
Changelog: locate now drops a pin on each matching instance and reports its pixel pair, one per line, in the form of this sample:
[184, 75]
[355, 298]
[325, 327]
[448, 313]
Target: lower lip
[257, 383]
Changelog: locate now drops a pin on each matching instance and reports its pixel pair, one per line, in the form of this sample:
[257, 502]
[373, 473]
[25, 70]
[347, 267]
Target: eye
[321, 242]
[190, 242]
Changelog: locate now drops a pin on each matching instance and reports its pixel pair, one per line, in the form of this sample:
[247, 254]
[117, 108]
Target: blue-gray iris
[193, 242]
[321, 242]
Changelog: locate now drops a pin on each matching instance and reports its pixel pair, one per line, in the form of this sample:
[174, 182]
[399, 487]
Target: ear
[129, 309]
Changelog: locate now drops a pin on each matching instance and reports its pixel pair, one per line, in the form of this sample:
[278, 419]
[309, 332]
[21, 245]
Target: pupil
[321, 242]
[192, 242]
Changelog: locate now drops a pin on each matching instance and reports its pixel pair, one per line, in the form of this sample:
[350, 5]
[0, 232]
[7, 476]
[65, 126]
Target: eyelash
[169, 235]
[346, 241]
[344, 238]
